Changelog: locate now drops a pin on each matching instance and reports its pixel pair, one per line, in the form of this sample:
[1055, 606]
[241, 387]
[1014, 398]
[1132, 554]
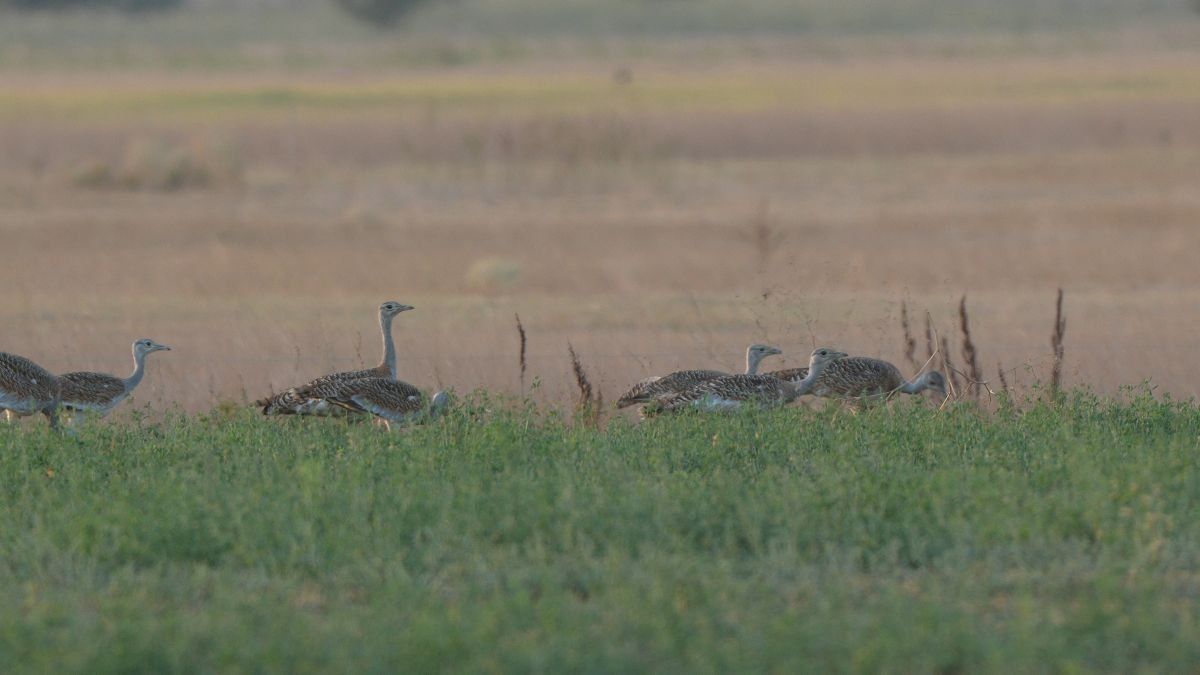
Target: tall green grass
[500, 538]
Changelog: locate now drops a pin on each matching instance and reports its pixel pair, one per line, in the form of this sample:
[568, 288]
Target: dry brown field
[655, 214]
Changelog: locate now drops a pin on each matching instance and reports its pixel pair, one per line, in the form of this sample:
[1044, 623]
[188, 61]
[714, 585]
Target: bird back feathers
[657, 387]
[85, 389]
[306, 399]
[24, 379]
[728, 391]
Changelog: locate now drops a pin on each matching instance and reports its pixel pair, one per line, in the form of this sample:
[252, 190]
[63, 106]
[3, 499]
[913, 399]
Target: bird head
[935, 381]
[823, 356]
[392, 308]
[760, 351]
[146, 346]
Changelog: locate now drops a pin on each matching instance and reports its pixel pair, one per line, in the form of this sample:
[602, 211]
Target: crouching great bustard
[735, 391]
[388, 399]
[653, 388]
[27, 388]
[860, 378]
[291, 402]
[99, 393]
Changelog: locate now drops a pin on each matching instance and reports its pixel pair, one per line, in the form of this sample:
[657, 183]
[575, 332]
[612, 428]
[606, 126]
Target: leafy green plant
[503, 537]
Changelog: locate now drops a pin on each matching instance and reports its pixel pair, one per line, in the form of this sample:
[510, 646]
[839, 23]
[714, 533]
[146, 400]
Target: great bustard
[734, 391]
[859, 378]
[291, 403]
[99, 393]
[27, 388]
[388, 399]
[653, 388]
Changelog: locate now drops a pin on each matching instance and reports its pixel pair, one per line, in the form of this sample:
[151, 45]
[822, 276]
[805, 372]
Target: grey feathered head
[392, 308]
[146, 346]
[823, 356]
[935, 381]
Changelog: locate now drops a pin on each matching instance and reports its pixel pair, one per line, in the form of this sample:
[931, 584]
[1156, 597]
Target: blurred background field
[659, 182]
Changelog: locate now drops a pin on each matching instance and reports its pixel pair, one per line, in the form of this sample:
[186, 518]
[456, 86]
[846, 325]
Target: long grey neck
[752, 360]
[139, 370]
[915, 386]
[798, 389]
[389, 347]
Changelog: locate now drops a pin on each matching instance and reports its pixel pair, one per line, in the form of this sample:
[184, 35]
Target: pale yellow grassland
[621, 218]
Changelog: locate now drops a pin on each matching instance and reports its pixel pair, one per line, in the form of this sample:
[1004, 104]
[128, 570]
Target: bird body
[388, 399]
[861, 377]
[790, 374]
[27, 388]
[307, 399]
[653, 388]
[732, 392]
[99, 392]
[291, 402]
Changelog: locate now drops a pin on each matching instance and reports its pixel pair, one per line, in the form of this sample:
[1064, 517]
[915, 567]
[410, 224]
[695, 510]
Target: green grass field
[504, 539]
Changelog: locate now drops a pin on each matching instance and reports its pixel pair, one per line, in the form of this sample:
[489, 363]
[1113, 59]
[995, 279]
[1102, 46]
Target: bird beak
[162, 348]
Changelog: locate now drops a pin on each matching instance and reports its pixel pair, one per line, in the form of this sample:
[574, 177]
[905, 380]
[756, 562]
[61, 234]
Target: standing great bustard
[388, 399]
[27, 388]
[291, 403]
[100, 393]
[653, 388]
[860, 377]
[734, 391]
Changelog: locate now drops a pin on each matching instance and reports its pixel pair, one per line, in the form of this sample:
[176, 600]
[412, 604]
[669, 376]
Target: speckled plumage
[391, 400]
[857, 377]
[861, 377]
[734, 391]
[27, 388]
[731, 391]
[309, 399]
[656, 387]
[653, 388]
[92, 391]
[790, 374]
[291, 402]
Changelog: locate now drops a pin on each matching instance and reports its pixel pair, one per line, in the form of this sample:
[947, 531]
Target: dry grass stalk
[951, 394]
[951, 371]
[581, 378]
[1056, 341]
[589, 404]
[910, 343]
[968, 350]
[521, 355]
[930, 343]
[1003, 381]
